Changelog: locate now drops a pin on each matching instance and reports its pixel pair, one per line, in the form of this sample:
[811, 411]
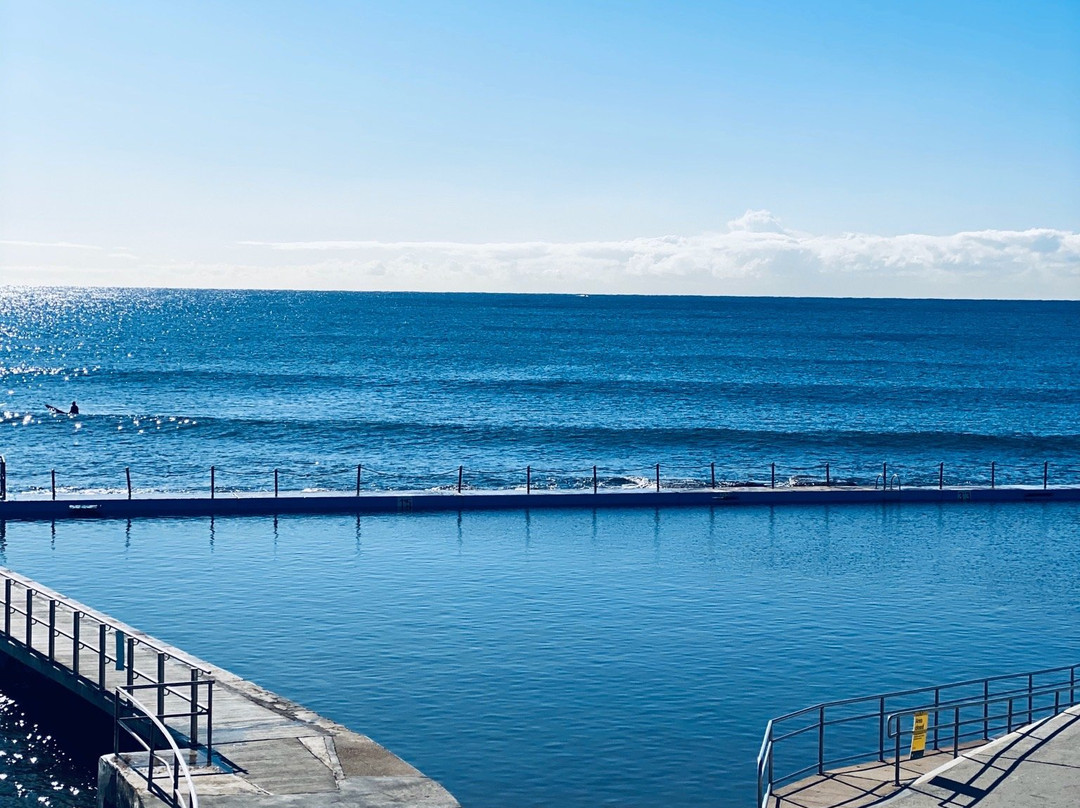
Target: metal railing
[827, 736]
[169, 754]
[72, 635]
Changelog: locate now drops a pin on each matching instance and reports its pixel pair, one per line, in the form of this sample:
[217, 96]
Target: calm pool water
[622, 658]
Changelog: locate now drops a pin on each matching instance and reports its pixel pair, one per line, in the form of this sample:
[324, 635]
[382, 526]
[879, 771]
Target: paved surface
[268, 752]
[1038, 765]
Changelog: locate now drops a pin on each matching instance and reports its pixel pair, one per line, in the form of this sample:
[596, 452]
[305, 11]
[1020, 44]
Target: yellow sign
[918, 735]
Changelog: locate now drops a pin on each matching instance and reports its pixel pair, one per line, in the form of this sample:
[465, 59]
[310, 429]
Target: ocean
[577, 658]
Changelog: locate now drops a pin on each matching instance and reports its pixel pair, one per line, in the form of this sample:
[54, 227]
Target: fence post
[52, 629]
[956, 732]
[212, 482]
[940, 476]
[712, 473]
[161, 685]
[658, 478]
[460, 473]
[821, 740]
[54, 485]
[193, 732]
[76, 622]
[884, 476]
[1046, 470]
[3, 478]
[828, 482]
[772, 482]
[993, 466]
[528, 479]
[127, 471]
[7, 606]
[881, 729]
[29, 618]
[101, 654]
[359, 471]
[594, 479]
[275, 483]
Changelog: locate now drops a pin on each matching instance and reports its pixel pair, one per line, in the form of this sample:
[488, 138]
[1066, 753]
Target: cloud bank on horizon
[755, 255]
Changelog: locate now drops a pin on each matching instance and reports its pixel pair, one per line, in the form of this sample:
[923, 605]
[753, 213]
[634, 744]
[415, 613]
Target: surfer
[57, 411]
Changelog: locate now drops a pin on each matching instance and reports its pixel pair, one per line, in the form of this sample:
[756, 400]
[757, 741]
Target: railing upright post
[209, 721]
[52, 629]
[956, 732]
[940, 476]
[658, 478]
[212, 470]
[1046, 473]
[986, 708]
[1072, 685]
[528, 479]
[1008, 729]
[821, 741]
[54, 485]
[161, 685]
[460, 474]
[594, 482]
[712, 474]
[896, 760]
[884, 476]
[359, 471]
[7, 606]
[937, 718]
[993, 466]
[150, 762]
[772, 475]
[881, 729]
[3, 479]
[1031, 687]
[193, 731]
[828, 482]
[116, 726]
[275, 483]
[127, 472]
[76, 622]
[29, 617]
[101, 654]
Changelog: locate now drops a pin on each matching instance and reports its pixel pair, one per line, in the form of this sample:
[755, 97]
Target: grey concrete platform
[1037, 765]
[267, 750]
[40, 507]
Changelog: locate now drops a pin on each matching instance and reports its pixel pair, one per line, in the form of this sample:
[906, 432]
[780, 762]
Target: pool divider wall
[416, 501]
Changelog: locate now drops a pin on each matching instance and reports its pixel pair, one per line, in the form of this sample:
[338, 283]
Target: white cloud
[754, 255]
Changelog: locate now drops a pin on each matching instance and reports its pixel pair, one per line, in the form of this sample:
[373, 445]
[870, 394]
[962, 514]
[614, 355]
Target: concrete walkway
[1038, 765]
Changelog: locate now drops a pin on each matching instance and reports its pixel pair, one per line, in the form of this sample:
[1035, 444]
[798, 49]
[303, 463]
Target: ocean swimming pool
[579, 658]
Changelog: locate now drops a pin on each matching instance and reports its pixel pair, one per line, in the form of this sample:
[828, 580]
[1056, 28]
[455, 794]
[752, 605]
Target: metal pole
[212, 482]
[54, 484]
[528, 479]
[460, 472]
[881, 729]
[896, 760]
[7, 606]
[130, 661]
[209, 720]
[52, 629]
[828, 482]
[821, 741]
[127, 471]
[956, 732]
[76, 619]
[992, 469]
[3, 478]
[275, 483]
[940, 476]
[359, 470]
[594, 479]
[161, 685]
[772, 483]
[658, 478]
[1046, 471]
[29, 618]
[101, 654]
[884, 476]
[712, 473]
[986, 708]
[193, 731]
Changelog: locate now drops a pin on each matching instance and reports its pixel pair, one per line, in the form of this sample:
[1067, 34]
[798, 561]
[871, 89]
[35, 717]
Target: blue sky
[178, 141]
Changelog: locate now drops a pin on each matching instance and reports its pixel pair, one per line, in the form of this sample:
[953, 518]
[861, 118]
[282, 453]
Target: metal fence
[840, 733]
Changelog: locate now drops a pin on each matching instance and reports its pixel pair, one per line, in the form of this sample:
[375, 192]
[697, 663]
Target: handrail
[867, 727]
[178, 767]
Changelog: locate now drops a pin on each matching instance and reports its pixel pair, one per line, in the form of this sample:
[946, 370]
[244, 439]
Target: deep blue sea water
[578, 658]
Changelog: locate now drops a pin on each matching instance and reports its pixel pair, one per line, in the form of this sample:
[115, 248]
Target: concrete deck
[1037, 765]
[268, 752]
[41, 507]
